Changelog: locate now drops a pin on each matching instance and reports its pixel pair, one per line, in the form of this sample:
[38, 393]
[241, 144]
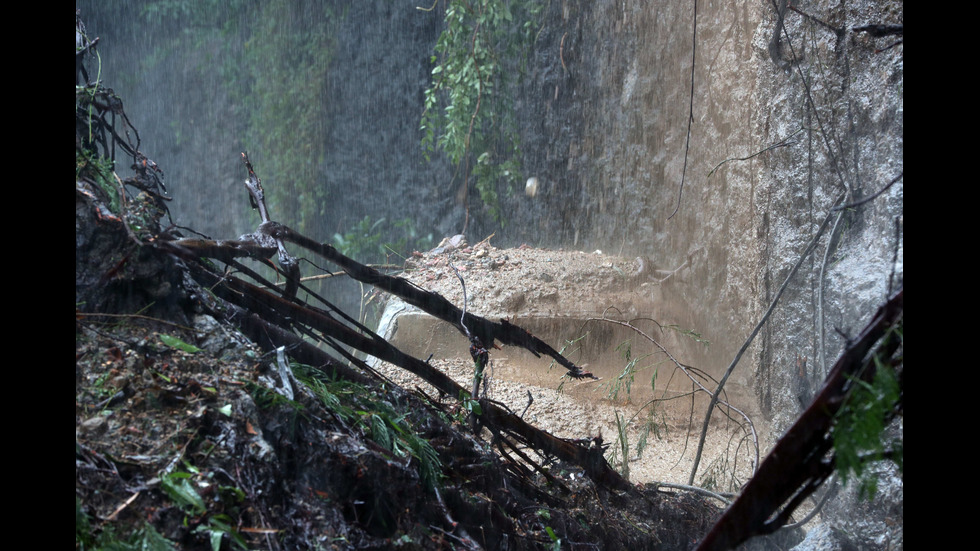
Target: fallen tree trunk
[432, 303]
[257, 305]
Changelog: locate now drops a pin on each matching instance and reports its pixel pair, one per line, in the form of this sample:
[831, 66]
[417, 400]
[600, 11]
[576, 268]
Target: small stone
[94, 426]
[531, 188]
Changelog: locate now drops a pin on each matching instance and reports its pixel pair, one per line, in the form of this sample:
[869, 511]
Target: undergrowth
[860, 428]
[144, 538]
[365, 409]
[469, 113]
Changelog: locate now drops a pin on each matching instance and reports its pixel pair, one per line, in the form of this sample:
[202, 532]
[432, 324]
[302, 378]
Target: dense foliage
[469, 106]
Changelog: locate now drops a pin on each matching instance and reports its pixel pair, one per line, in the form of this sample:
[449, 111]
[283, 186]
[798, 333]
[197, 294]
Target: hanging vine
[467, 115]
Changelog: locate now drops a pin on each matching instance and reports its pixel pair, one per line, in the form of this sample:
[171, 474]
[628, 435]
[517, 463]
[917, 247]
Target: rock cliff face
[774, 146]
[791, 117]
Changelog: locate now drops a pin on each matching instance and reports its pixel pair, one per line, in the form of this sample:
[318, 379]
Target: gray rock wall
[785, 126]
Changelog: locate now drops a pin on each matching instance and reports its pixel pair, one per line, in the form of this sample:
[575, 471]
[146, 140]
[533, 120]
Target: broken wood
[257, 197]
[433, 303]
[262, 304]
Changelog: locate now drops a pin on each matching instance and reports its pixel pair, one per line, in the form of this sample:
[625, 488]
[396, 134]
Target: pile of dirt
[526, 281]
[527, 284]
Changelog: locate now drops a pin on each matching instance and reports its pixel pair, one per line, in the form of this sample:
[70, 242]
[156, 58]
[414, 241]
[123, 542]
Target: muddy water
[622, 406]
[631, 368]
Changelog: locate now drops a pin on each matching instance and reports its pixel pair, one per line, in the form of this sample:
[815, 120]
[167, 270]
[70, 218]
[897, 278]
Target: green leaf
[180, 489]
[859, 427]
[380, 433]
[148, 539]
[174, 342]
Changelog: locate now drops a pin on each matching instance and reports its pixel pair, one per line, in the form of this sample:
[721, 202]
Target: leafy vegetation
[88, 162]
[693, 335]
[145, 538]
[99, 170]
[624, 446]
[182, 488]
[860, 427]
[468, 111]
[365, 409]
[177, 343]
[373, 414]
[651, 417]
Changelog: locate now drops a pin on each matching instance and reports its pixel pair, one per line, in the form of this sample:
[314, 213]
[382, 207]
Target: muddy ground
[195, 442]
[576, 300]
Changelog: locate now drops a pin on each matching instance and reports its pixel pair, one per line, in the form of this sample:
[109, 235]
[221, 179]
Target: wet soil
[188, 436]
[576, 300]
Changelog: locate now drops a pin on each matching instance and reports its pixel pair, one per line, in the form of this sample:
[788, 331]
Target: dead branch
[264, 241]
[257, 304]
[433, 303]
[873, 196]
[257, 197]
[480, 355]
[686, 370]
[591, 459]
[223, 250]
[802, 460]
[724, 498]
